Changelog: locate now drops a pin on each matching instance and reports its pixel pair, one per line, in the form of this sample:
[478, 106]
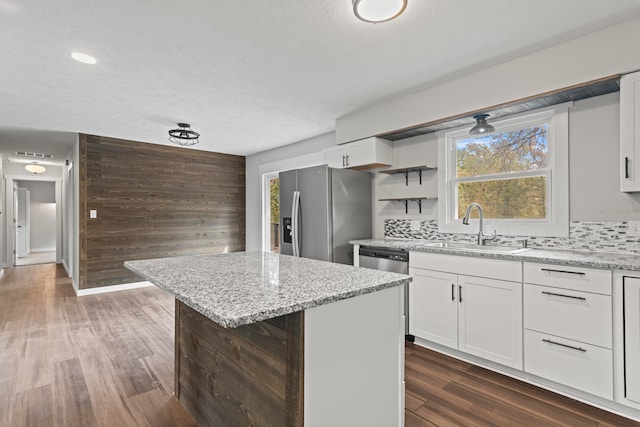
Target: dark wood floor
[442, 391]
[107, 360]
[103, 360]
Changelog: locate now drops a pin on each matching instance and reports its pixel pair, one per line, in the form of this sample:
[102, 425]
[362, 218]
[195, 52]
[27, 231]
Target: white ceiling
[249, 75]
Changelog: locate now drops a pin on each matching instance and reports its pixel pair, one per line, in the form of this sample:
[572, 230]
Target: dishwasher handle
[395, 255]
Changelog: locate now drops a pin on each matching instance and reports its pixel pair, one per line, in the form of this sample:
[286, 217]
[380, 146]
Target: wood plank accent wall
[154, 201]
[252, 375]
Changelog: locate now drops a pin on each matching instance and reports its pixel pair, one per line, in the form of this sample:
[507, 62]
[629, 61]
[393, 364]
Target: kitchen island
[268, 339]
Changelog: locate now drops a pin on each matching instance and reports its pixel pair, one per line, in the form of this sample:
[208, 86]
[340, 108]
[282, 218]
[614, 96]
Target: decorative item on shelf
[35, 168]
[481, 127]
[405, 171]
[183, 135]
[375, 11]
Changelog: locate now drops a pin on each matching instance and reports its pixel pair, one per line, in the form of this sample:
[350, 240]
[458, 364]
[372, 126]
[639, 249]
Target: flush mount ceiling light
[481, 127]
[84, 58]
[35, 168]
[376, 11]
[184, 135]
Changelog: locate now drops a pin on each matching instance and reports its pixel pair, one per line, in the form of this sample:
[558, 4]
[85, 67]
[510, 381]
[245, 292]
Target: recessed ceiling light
[84, 58]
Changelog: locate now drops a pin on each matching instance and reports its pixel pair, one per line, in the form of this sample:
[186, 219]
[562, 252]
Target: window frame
[556, 223]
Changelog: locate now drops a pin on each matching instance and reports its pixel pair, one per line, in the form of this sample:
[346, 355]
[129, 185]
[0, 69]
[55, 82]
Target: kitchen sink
[474, 247]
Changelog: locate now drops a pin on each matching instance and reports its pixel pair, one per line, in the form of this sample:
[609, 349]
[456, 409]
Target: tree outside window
[505, 172]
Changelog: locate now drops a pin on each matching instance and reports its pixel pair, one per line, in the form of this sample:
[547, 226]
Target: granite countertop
[601, 260]
[239, 288]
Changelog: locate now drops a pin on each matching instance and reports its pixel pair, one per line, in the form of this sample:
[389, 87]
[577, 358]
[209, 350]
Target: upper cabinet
[630, 132]
[363, 154]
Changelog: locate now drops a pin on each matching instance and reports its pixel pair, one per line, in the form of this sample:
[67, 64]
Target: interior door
[632, 338]
[22, 224]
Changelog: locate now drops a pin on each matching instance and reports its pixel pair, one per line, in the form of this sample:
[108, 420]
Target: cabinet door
[630, 132]
[632, 338]
[361, 152]
[433, 307]
[490, 318]
[335, 157]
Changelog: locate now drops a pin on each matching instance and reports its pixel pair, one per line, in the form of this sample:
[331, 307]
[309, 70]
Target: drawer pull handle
[565, 345]
[551, 270]
[564, 296]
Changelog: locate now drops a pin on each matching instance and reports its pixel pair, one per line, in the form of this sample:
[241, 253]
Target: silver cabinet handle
[551, 270]
[565, 345]
[564, 296]
[453, 292]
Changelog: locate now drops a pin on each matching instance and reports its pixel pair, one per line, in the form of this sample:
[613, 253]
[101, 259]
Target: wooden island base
[249, 375]
[339, 364]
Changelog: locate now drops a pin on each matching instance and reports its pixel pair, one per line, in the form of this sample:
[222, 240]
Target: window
[518, 174]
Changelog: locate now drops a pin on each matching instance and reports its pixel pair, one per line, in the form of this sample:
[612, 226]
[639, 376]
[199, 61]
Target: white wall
[301, 154]
[42, 223]
[608, 52]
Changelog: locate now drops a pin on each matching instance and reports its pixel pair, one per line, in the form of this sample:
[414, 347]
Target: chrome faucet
[482, 236]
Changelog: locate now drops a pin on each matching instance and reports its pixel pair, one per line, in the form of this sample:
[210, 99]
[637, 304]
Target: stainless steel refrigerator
[321, 209]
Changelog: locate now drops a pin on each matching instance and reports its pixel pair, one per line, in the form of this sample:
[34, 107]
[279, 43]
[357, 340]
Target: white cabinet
[630, 132]
[433, 306]
[632, 338]
[568, 322]
[481, 316]
[365, 153]
[490, 319]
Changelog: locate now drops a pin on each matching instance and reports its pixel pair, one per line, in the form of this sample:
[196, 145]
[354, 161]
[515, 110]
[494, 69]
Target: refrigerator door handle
[294, 223]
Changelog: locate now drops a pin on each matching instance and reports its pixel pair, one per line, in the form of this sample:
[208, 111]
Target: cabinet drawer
[579, 316]
[576, 278]
[584, 367]
[469, 266]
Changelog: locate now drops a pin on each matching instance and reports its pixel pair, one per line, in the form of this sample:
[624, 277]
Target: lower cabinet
[568, 326]
[478, 315]
[632, 338]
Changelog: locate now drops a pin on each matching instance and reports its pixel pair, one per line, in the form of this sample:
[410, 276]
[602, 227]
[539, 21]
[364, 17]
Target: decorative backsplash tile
[592, 236]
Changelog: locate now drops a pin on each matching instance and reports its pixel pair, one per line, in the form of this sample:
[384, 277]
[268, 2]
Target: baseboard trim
[112, 288]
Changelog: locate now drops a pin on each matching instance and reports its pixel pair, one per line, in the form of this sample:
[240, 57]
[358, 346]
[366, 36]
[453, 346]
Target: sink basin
[475, 247]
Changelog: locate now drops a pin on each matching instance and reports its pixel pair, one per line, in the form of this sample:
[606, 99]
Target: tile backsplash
[593, 236]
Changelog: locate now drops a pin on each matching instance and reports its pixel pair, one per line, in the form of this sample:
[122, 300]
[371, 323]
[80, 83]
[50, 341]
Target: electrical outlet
[93, 214]
[633, 229]
[415, 225]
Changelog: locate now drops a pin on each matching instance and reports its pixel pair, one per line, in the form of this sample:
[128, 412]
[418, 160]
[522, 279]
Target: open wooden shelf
[406, 201]
[405, 171]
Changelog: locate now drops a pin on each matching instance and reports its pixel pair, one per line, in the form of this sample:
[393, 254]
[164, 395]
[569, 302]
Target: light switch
[93, 214]
[415, 225]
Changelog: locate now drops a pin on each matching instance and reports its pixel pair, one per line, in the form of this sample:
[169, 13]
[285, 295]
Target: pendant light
[375, 11]
[481, 127]
[183, 135]
[35, 168]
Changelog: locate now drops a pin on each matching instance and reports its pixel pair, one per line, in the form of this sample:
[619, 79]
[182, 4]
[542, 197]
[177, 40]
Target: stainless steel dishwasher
[394, 260]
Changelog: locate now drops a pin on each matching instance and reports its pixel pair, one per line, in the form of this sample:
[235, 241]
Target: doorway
[36, 222]
[271, 224]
